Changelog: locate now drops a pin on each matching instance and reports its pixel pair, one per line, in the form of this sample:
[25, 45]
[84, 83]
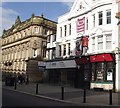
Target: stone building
[24, 44]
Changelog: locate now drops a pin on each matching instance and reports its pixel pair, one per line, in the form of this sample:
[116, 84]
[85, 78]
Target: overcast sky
[51, 10]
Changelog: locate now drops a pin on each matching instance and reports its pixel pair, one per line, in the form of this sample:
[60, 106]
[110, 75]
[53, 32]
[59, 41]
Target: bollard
[62, 93]
[84, 96]
[37, 88]
[15, 84]
[110, 97]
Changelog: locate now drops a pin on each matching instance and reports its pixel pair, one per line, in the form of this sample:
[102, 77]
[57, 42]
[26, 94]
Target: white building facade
[89, 34]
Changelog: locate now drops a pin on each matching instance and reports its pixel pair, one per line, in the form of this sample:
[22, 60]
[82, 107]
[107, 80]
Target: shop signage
[41, 65]
[81, 25]
[109, 74]
[61, 64]
[85, 41]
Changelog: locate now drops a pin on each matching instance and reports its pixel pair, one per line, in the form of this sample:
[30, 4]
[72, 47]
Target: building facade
[24, 44]
[89, 35]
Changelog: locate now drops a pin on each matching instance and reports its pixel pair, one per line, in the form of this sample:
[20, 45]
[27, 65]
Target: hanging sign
[81, 25]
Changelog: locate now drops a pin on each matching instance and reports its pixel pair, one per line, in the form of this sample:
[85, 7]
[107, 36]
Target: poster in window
[109, 74]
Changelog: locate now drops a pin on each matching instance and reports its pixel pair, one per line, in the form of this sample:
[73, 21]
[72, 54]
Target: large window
[108, 15]
[110, 68]
[93, 43]
[100, 72]
[34, 52]
[87, 24]
[65, 28]
[53, 53]
[60, 31]
[36, 30]
[48, 39]
[100, 16]
[59, 50]
[93, 20]
[64, 50]
[100, 42]
[69, 29]
[68, 48]
[54, 38]
[108, 41]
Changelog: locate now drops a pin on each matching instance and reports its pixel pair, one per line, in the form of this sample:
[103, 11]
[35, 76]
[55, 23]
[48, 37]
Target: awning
[101, 58]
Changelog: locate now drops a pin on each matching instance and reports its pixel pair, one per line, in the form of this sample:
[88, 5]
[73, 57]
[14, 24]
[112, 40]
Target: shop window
[93, 71]
[100, 72]
[109, 70]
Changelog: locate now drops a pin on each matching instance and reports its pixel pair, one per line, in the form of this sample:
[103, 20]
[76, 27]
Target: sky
[51, 10]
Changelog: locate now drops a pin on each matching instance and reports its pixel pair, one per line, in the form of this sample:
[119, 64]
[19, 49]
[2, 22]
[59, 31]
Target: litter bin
[9, 81]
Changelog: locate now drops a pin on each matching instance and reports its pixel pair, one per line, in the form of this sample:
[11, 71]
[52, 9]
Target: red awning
[101, 58]
[81, 61]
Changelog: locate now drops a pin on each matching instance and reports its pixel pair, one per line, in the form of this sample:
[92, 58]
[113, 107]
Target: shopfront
[83, 72]
[61, 72]
[103, 71]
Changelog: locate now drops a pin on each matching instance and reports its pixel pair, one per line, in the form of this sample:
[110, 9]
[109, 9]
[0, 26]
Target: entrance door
[79, 79]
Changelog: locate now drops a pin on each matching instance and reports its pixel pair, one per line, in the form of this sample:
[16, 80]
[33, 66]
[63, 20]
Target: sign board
[109, 74]
[41, 65]
[81, 25]
[61, 64]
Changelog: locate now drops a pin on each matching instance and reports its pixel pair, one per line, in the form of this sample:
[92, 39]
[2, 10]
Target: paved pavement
[71, 95]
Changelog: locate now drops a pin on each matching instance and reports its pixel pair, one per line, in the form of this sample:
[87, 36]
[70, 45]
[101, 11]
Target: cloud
[7, 18]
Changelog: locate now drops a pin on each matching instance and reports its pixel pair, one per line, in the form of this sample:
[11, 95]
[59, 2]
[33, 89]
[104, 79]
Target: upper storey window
[69, 29]
[36, 30]
[93, 20]
[65, 29]
[100, 16]
[60, 31]
[108, 15]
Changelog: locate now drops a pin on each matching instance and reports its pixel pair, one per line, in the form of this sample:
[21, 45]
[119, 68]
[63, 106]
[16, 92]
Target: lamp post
[116, 73]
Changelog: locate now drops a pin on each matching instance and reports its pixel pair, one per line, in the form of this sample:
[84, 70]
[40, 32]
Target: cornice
[30, 36]
[40, 21]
